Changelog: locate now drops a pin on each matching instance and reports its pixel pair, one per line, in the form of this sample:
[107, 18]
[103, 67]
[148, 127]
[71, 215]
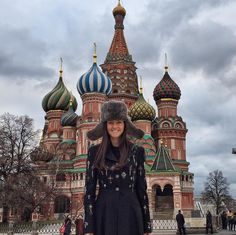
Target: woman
[121, 206]
[67, 224]
[79, 225]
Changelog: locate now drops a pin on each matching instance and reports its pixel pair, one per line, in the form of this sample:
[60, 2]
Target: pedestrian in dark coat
[180, 223]
[67, 223]
[224, 220]
[209, 222]
[121, 205]
[79, 225]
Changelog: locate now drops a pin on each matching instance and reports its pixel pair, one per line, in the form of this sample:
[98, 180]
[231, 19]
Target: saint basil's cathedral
[170, 184]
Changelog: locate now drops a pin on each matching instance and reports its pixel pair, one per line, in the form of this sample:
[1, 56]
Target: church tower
[93, 87]
[119, 65]
[55, 104]
[168, 126]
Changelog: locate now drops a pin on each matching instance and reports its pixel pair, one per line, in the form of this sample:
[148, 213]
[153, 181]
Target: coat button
[117, 189]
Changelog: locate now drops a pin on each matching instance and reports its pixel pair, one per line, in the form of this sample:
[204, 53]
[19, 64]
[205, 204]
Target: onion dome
[141, 110]
[41, 154]
[59, 97]
[94, 80]
[119, 10]
[70, 117]
[166, 88]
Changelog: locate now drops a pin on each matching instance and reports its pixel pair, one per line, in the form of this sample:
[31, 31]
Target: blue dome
[94, 81]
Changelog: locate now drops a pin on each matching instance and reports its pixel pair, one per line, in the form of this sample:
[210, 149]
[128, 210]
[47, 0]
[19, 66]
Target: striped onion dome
[58, 98]
[94, 81]
[166, 88]
[70, 117]
[141, 110]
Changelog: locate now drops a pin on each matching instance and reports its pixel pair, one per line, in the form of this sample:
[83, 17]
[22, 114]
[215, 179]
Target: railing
[40, 227]
[4, 228]
[164, 225]
[22, 227]
[52, 227]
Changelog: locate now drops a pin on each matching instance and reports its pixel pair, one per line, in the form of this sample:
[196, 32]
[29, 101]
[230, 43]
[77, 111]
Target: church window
[172, 143]
[60, 177]
[81, 176]
[178, 125]
[62, 204]
[45, 179]
[165, 125]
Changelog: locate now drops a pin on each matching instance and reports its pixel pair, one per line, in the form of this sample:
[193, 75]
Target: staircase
[163, 214]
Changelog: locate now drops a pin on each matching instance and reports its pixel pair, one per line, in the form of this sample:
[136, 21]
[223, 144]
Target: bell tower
[119, 65]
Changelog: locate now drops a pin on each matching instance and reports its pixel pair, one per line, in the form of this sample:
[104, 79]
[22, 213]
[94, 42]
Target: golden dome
[119, 10]
[141, 110]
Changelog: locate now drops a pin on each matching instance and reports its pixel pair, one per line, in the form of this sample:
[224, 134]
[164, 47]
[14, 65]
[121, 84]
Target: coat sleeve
[90, 193]
[141, 190]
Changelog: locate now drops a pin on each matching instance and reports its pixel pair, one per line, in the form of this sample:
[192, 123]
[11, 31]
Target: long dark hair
[124, 148]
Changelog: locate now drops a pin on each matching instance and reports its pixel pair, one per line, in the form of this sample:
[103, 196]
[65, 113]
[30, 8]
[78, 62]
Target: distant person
[230, 219]
[79, 225]
[67, 223]
[209, 222]
[224, 220]
[181, 223]
[234, 221]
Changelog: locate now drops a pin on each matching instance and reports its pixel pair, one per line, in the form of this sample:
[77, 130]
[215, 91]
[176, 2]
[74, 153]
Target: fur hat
[114, 110]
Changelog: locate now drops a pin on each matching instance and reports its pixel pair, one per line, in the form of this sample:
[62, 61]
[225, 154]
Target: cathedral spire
[118, 46]
[119, 64]
[95, 53]
[141, 87]
[166, 63]
[61, 71]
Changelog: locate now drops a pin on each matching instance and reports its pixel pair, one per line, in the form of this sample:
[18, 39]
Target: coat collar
[110, 155]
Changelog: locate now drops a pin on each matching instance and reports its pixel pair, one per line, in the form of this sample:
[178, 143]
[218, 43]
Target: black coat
[180, 219]
[121, 206]
[67, 227]
[208, 219]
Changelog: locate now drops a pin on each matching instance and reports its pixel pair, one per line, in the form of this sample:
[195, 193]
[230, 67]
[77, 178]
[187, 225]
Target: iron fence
[52, 227]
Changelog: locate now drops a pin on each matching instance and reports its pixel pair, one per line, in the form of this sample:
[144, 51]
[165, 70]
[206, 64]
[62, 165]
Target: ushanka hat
[114, 110]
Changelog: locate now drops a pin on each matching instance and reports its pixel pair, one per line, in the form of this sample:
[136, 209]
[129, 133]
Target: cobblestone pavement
[221, 232]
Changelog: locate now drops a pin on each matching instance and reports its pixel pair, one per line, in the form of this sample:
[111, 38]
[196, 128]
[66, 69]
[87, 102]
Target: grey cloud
[209, 47]
[21, 55]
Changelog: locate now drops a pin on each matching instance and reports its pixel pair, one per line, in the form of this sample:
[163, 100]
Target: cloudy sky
[199, 37]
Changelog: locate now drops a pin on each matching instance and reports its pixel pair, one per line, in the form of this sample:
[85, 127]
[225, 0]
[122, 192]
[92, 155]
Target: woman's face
[115, 128]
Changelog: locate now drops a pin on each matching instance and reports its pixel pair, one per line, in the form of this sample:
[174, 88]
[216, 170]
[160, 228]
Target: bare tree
[20, 187]
[216, 190]
[17, 140]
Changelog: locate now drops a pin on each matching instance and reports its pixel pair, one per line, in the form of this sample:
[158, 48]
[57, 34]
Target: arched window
[62, 204]
[168, 190]
[81, 176]
[60, 177]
